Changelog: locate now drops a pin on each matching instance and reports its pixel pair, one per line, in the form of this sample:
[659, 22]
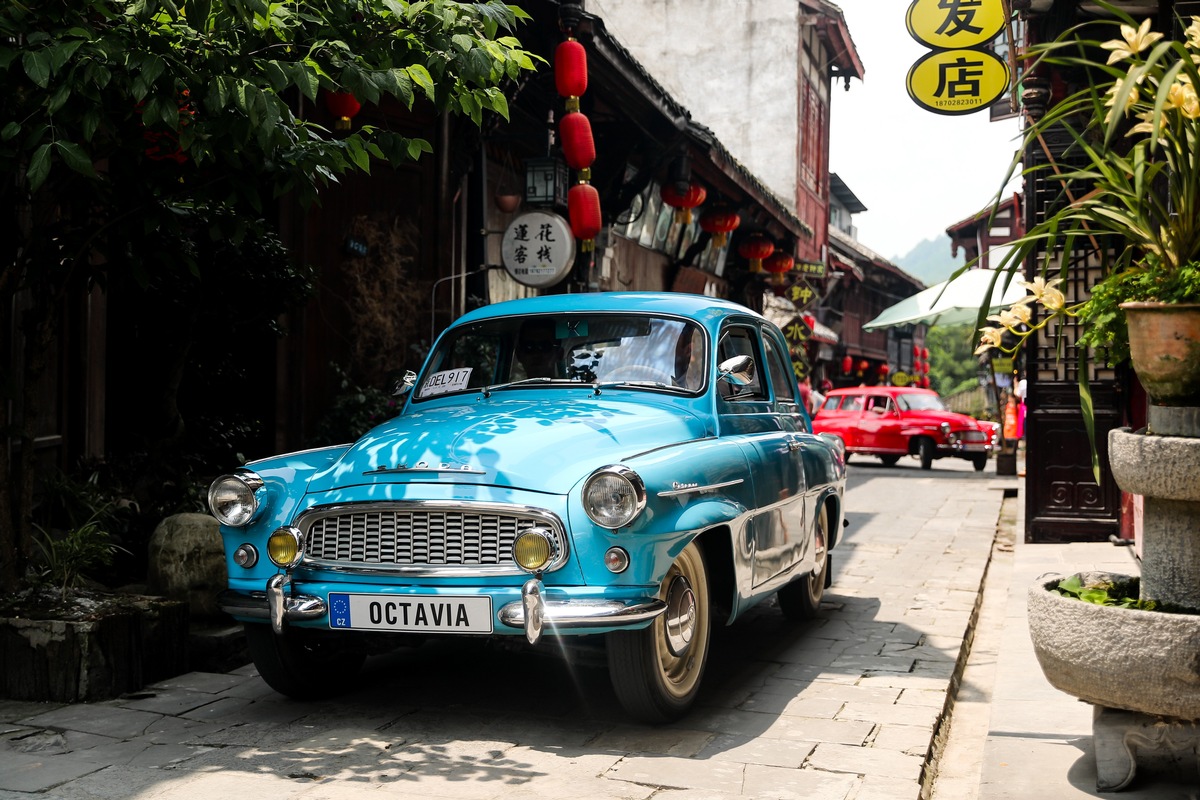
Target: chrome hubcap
[680, 616]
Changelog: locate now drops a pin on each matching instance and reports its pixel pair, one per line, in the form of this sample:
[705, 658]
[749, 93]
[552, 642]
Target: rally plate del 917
[408, 612]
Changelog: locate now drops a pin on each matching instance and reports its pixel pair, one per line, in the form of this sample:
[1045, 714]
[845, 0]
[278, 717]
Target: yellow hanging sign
[955, 24]
[957, 81]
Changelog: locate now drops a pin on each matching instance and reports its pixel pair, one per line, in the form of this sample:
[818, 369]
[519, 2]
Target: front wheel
[801, 599]
[656, 671]
[300, 664]
[925, 453]
[979, 462]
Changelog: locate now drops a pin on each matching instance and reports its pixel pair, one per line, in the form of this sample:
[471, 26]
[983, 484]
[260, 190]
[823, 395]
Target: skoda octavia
[631, 467]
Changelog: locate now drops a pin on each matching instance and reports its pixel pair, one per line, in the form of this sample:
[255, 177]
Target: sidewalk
[1013, 736]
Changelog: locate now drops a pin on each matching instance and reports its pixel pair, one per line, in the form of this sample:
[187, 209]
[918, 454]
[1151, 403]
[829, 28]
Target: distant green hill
[930, 261]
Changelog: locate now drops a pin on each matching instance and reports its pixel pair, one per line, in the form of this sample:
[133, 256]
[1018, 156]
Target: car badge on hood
[424, 466]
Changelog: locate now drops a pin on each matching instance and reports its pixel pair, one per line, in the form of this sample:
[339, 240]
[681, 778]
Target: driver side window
[739, 341]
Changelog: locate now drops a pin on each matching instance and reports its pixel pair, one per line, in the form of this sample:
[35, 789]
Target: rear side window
[852, 402]
[831, 403]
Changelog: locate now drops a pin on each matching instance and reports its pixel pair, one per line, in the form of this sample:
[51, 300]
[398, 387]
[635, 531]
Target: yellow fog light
[284, 547]
[532, 550]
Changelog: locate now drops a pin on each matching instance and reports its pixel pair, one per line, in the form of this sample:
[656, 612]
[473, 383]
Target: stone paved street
[843, 708]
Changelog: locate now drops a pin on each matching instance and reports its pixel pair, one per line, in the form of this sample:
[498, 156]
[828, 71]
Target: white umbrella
[954, 302]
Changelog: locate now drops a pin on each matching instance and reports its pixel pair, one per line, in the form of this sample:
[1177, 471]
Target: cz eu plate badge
[411, 612]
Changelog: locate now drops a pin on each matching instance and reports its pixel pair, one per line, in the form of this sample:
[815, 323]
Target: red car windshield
[920, 402]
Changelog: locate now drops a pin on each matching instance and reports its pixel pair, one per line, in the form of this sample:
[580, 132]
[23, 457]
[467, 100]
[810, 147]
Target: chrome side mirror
[405, 384]
[738, 370]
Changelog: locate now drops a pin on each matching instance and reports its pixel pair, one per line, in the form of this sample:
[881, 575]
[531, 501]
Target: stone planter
[121, 644]
[1116, 657]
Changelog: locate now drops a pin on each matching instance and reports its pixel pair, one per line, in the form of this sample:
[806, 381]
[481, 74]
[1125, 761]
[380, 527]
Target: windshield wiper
[487, 390]
[596, 387]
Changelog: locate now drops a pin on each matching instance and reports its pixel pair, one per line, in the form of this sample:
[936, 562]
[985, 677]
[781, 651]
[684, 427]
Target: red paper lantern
[685, 202]
[754, 249]
[847, 365]
[720, 222]
[778, 263]
[863, 365]
[925, 354]
[925, 382]
[583, 209]
[884, 369]
[578, 146]
[570, 69]
[916, 351]
[344, 106]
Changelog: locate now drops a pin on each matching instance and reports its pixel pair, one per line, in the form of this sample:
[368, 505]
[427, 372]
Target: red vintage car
[893, 421]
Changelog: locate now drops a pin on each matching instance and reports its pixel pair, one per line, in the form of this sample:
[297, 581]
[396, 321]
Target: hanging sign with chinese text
[798, 333]
[959, 75]
[957, 81]
[538, 249]
[954, 24]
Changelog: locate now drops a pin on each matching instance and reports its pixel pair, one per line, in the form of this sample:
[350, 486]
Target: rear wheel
[300, 664]
[800, 599]
[925, 453]
[979, 462]
[656, 671]
[890, 461]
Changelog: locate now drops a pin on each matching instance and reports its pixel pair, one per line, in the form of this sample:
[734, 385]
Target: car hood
[545, 445]
[957, 421]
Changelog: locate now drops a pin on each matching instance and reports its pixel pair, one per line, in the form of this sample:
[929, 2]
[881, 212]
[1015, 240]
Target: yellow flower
[1130, 101]
[1012, 317]
[1147, 125]
[1135, 41]
[1182, 95]
[988, 338]
[1045, 292]
[1193, 34]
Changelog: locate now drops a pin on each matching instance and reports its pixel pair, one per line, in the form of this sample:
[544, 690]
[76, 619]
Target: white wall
[732, 63]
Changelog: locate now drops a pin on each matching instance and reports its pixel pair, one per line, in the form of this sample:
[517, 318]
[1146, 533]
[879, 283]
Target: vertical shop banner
[798, 333]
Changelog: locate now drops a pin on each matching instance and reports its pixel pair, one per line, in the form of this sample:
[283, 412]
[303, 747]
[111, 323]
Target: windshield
[920, 402]
[567, 349]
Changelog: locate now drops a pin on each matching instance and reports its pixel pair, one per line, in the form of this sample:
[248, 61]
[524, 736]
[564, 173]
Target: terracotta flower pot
[507, 203]
[1164, 347]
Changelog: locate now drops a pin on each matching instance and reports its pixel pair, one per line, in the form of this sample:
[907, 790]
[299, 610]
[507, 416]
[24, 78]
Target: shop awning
[955, 302]
[823, 333]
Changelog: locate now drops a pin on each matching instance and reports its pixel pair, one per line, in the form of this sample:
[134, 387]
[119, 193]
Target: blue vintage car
[634, 466]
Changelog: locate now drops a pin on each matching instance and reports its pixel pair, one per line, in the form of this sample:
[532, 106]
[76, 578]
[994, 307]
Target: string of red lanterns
[578, 144]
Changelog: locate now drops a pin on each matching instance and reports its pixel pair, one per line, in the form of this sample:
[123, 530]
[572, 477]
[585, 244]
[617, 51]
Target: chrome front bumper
[532, 613]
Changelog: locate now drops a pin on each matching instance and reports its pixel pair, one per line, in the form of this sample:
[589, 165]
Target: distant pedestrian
[806, 391]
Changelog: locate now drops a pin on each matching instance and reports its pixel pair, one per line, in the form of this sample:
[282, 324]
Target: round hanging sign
[538, 249]
[952, 25]
[957, 81]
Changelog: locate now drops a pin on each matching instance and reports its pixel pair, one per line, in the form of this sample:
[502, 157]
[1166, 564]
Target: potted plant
[1129, 185]
[1133, 196]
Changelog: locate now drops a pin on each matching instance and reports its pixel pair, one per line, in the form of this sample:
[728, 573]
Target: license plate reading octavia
[408, 612]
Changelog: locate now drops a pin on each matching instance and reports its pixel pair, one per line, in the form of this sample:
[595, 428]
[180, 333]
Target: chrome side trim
[693, 489]
[566, 614]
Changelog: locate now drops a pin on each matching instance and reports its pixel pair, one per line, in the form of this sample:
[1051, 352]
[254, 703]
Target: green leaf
[37, 66]
[74, 157]
[421, 77]
[9, 131]
[39, 167]
[61, 53]
[1089, 411]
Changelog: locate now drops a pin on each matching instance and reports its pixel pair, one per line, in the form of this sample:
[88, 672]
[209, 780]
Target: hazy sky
[916, 172]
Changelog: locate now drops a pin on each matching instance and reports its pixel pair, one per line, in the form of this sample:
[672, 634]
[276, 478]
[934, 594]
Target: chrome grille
[973, 436]
[421, 536]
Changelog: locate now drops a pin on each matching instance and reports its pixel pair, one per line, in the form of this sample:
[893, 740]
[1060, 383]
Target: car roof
[698, 307]
[878, 390]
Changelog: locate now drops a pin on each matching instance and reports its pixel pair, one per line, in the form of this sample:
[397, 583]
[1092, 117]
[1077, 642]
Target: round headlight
[284, 547]
[613, 496]
[532, 550]
[233, 499]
